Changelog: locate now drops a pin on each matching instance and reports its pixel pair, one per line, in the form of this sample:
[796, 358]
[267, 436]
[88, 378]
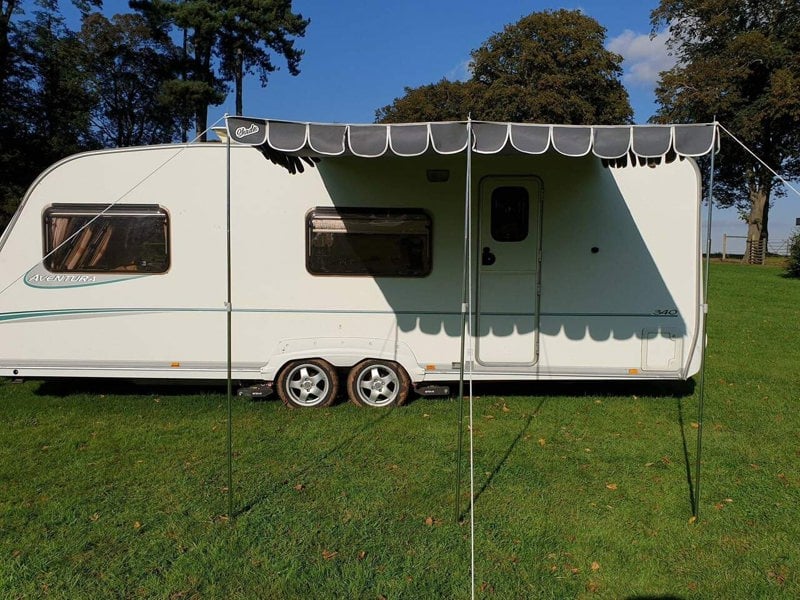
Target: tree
[239, 33]
[738, 62]
[126, 71]
[42, 105]
[250, 30]
[550, 66]
[442, 101]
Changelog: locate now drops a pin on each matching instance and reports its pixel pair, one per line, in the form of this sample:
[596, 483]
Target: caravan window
[101, 239]
[377, 242]
[509, 214]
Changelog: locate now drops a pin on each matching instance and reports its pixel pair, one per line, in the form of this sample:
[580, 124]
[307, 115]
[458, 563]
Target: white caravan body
[601, 279]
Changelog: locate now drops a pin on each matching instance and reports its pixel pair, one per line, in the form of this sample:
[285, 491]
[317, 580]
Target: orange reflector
[430, 367]
[175, 365]
[633, 371]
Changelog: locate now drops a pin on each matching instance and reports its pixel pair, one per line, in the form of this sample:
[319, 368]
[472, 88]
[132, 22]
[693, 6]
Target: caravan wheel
[307, 384]
[378, 383]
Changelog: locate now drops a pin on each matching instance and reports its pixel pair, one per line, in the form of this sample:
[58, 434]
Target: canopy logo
[247, 131]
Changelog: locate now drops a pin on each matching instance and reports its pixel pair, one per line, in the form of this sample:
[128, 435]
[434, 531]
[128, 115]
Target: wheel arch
[342, 353]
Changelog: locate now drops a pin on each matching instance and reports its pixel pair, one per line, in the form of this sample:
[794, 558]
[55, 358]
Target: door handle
[487, 257]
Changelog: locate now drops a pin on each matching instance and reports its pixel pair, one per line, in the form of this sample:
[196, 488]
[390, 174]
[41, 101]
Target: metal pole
[229, 332]
[724, 246]
[701, 399]
[464, 304]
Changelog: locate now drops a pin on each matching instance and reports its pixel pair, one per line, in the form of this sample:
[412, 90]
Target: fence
[755, 252]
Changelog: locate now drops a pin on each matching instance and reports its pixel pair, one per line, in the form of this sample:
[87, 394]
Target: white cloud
[644, 58]
[461, 72]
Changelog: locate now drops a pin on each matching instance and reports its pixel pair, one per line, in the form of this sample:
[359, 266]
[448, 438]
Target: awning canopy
[609, 142]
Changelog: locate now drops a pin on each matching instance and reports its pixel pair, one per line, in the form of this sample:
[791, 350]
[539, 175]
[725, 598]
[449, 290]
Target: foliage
[738, 63]
[240, 34]
[442, 101]
[44, 107]
[123, 80]
[550, 66]
[126, 71]
[793, 262]
[112, 490]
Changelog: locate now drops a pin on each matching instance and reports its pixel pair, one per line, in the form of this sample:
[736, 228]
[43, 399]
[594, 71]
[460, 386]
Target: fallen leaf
[542, 442]
[488, 416]
[611, 486]
[362, 555]
[137, 525]
[16, 553]
[666, 460]
[779, 576]
[429, 521]
[486, 587]
[695, 425]
[505, 408]
[648, 464]
[425, 415]
[94, 517]
[327, 554]
[595, 566]
[593, 587]
[299, 487]
[719, 505]
[692, 519]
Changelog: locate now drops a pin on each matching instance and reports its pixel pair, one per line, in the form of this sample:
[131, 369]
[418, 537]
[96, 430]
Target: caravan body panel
[599, 280]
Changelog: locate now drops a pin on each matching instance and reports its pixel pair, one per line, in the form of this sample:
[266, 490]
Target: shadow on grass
[61, 388]
[642, 389]
[316, 463]
[687, 461]
[504, 459]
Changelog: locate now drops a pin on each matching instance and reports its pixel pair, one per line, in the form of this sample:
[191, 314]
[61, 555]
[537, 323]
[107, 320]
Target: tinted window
[389, 243]
[509, 214]
[121, 239]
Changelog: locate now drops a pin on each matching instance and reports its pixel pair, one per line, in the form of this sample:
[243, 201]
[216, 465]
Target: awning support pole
[464, 304]
[228, 311]
[701, 400]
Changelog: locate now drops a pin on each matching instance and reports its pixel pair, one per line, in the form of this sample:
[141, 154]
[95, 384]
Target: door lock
[487, 257]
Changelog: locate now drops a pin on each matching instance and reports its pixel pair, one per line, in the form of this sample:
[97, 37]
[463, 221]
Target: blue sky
[359, 55]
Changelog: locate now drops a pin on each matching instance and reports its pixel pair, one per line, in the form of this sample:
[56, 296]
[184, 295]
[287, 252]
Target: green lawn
[108, 490]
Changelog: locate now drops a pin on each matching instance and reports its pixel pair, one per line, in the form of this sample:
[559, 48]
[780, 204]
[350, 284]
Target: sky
[359, 55]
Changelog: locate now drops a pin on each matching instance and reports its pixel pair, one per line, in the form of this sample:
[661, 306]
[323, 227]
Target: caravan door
[509, 260]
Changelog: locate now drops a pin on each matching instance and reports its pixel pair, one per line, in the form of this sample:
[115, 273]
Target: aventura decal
[39, 277]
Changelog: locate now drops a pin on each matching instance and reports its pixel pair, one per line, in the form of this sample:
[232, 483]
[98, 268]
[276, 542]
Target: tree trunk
[757, 221]
[200, 120]
[238, 82]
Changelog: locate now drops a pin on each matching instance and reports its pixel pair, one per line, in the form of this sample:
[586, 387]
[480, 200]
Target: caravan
[374, 259]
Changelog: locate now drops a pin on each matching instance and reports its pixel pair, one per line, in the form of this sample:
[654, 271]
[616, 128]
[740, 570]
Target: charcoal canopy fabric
[414, 139]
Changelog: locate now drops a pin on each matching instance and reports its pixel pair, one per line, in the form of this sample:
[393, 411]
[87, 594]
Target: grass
[109, 490]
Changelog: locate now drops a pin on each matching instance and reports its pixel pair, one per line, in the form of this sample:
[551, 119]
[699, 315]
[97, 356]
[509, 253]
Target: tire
[311, 383]
[378, 383]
